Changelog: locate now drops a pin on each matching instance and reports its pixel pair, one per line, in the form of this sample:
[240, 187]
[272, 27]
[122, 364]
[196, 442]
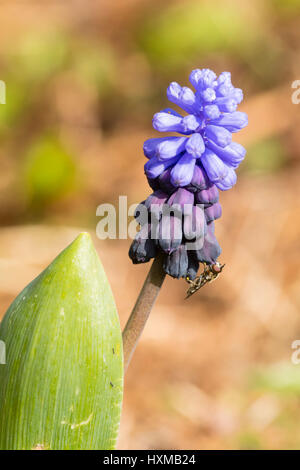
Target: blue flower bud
[154, 167]
[208, 95]
[190, 124]
[218, 135]
[226, 105]
[170, 147]
[202, 78]
[238, 95]
[182, 172]
[165, 122]
[232, 155]
[164, 147]
[195, 145]
[225, 90]
[182, 96]
[211, 111]
[228, 181]
[150, 146]
[224, 77]
[215, 168]
[233, 122]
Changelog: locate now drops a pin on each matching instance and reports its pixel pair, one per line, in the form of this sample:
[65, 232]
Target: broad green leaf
[61, 387]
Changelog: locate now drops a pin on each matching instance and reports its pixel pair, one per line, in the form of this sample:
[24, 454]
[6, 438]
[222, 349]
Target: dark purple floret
[176, 264]
[164, 181]
[180, 198]
[193, 266]
[208, 196]
[143, 248]
[195, 225]
[211, 249]
[213, 212]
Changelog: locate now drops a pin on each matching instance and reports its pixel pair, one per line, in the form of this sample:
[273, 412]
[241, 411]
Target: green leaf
[61, 387]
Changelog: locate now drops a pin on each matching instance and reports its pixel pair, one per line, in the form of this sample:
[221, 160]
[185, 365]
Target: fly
[209, 274]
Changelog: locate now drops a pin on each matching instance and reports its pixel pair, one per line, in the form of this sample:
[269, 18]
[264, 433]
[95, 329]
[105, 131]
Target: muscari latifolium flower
[186, 173]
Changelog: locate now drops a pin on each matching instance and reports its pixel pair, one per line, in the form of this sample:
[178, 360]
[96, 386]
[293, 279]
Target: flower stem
[143, 306]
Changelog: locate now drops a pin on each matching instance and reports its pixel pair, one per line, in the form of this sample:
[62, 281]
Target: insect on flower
[209, 274]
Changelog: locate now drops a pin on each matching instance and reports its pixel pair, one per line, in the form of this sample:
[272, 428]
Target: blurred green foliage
[192, 32]
[33, 68]
[286, 7]
[17, 100]
[265, 156]
[279, 382]
[249, 440]
[42, 55]
[283, 378]
[30, 63]
[50, 171]
[39, 56]
[95, 65]
[274, 424]
[192, 28]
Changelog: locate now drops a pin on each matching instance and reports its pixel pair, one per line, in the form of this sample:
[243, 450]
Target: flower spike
[186, 173]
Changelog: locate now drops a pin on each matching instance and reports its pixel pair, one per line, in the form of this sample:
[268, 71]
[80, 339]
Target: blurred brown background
[83, 79]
